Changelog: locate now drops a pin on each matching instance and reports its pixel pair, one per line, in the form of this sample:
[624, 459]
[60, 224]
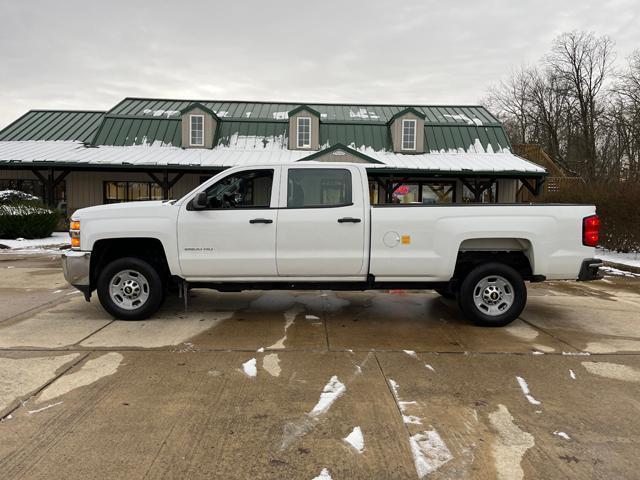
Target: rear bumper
[590, 270]
[76, 268]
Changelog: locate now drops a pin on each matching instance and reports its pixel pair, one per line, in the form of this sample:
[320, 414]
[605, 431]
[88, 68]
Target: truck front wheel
[492, 295]
[130, 289]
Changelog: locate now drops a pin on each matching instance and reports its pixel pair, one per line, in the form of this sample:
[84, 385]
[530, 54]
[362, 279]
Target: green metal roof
[149, 107]
[255, 125]
[124, 131]
[53, 125]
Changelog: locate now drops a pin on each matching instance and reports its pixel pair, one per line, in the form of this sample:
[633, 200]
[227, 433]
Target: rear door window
[318, 187]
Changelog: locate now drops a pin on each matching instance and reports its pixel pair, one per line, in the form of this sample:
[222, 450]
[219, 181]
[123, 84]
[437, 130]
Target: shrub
[27, 220]
[618, 205]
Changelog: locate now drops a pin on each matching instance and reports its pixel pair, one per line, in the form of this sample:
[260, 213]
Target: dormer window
[304, 132]
[196, 130]
[408, 134]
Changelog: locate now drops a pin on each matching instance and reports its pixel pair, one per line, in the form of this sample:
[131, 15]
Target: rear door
[236, 235]
[321, 222]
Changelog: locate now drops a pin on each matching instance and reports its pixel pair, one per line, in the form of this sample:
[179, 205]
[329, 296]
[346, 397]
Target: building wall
[85, 189]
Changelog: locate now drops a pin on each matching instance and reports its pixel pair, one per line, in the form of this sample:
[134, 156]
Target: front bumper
[590, 270]
[76, 267]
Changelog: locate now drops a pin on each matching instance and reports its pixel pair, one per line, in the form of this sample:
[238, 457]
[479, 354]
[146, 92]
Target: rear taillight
[591, 231]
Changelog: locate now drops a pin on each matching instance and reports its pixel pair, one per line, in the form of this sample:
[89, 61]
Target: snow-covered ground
[54, 242]
[629, 259]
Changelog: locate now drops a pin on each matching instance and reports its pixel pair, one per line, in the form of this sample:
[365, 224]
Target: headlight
[74, 233]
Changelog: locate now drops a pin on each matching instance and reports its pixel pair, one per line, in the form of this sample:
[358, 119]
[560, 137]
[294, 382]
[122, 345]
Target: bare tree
[583, 62]
[509, 99]
[549, 101]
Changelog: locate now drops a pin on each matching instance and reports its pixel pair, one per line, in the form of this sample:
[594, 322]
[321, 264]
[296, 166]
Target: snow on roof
[253, 153]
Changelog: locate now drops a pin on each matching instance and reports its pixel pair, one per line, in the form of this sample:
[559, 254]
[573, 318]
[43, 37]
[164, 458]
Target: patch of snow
[429, 367]
[222, 113]
[330, 393]
[260, 350]
[249, 368]
[280, 115]
[364, 114]
[462, 117]
[578, 354]
[356, 439]
[30, 412]
[562, 435]
[411, 353]
[536, 352]
[324, 475]
[411, 419]
[57, 239]
[402, 405]
[429, 452]
[525, 389]
[13, 195]
[20, 209]
[311, 317]
[631, 259]
[618, 273]
[572, 374]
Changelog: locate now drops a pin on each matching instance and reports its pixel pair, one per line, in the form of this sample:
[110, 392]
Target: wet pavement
[262, 385]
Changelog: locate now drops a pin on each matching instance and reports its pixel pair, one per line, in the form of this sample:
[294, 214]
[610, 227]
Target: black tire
[154, 289]
[446, 293]
[495, 273]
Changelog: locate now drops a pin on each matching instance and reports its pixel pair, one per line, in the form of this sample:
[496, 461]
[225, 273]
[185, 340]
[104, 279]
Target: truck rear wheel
[492, 295]
[130, 289]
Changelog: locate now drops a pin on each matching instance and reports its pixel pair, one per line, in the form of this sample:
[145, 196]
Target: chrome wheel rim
[129, 289]
[493, 295]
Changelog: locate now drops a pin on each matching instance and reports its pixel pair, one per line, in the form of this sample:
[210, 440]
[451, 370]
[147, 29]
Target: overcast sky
[90, 54]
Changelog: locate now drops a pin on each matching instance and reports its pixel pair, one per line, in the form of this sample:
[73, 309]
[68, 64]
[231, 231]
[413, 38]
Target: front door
[235, 236]
[321, 225]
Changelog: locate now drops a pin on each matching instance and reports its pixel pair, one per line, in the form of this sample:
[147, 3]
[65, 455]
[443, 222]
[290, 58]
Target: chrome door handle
[349, 220]
[260, 220]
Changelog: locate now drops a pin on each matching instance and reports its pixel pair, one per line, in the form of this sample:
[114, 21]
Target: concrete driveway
[307, 385]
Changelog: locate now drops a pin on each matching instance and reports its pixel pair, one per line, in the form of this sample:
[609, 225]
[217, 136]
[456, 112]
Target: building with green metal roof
[158, 148]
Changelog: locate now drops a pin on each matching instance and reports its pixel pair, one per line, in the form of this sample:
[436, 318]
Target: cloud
[89, 55]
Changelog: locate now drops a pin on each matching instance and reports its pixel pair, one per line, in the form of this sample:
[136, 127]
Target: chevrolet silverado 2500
[311, 226]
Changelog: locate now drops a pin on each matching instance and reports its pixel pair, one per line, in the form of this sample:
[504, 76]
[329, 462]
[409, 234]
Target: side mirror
[199, 202]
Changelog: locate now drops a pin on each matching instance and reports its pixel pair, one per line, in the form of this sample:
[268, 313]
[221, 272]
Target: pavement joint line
[393, 396]
[36, 308]
[544, 330]
[94, 332]
[324, 321]
[21, 403]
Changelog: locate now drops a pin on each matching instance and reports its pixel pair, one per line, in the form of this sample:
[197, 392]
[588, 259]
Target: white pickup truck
[311, 226]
